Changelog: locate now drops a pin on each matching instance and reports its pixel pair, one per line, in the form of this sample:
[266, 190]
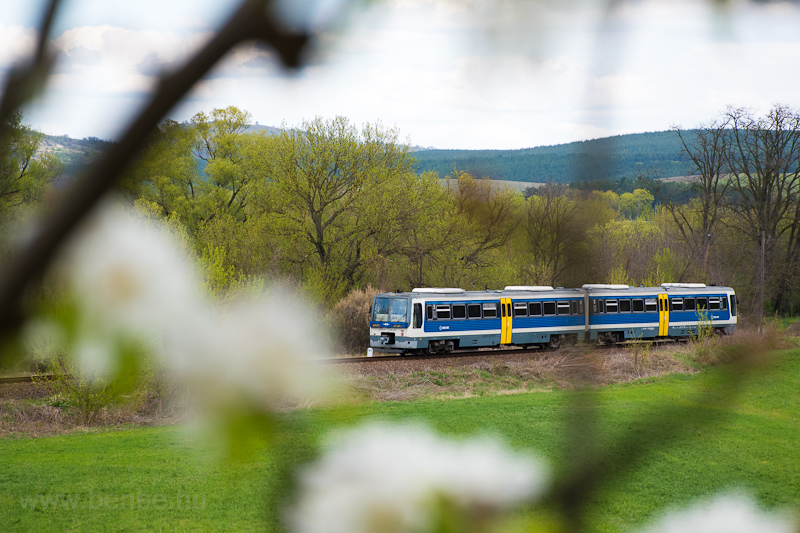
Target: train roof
[533, 291]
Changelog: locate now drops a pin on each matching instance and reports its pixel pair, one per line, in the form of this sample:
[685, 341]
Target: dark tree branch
[251, 21]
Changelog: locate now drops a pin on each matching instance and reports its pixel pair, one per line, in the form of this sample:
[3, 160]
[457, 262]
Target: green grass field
[169, 479]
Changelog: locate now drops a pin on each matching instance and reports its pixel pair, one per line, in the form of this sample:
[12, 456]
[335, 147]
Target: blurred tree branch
[251, 21]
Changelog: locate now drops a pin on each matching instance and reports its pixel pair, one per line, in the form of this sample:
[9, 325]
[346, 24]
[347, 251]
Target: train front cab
[395, 323]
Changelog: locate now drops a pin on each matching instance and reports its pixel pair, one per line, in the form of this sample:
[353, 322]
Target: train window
[733, 304]
[443, 312]
[723, 302]
[549, 308]
[380, 310]
[563, 308]
[417, 315]
[688, 304]
[611, 306]
[489, 310]
[713, 303]
[459, 311]
[535, 309]
[638, 305]
[702, 304]
[474, 310]
[429, 312]
[650, 305]
[575, 307]
[601, 306]
[676, 304]
[520, 309]
[398, 311]
[624, 306]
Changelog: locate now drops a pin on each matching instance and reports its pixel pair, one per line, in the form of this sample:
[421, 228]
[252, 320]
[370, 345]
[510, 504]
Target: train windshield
[390, 310]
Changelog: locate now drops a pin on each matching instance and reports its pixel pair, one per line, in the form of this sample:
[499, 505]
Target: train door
[505, 320]
[663, 315]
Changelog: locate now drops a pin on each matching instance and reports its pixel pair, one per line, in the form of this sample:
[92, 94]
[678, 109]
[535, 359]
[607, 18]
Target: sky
[449, 74]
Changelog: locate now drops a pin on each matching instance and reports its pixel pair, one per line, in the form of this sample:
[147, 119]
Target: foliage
[335, 208]
[705, 342]
[344, 199]
[26, 173]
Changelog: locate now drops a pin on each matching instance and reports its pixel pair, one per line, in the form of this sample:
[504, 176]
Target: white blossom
[730, 513]
[130, 277]
[390, 478]
[259, 350]
[131, 280]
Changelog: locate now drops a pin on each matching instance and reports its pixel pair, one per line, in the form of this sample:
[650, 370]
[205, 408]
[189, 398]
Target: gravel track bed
[403, 365]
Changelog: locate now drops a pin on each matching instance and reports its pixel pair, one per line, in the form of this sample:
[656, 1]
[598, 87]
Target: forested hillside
[611, 159]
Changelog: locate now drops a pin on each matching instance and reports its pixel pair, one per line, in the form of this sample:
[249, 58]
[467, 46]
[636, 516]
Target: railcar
[435, 320]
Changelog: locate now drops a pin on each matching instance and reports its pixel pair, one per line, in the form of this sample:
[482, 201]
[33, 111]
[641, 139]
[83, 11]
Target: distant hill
[611, 159]
[76, 154]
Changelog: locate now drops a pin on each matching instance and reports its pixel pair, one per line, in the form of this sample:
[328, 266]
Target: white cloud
[16, 43]
[456, 74]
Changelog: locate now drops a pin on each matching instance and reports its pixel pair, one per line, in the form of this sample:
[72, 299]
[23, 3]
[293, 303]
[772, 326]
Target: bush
[350, 320]
[87, 395]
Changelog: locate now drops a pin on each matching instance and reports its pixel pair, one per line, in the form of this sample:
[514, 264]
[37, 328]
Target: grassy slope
[753, 446]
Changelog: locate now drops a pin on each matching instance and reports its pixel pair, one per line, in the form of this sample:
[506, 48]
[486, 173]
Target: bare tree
[549, 231]
[764, 158]
[698, 221]
[487, 215]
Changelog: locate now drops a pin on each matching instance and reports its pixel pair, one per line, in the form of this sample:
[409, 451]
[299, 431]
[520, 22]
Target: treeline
[337, 208]
[612, 158]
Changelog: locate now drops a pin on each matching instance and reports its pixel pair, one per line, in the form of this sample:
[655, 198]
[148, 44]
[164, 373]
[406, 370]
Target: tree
[26, 172]
[220, 143]
[485, 218]
[635, 204]
[549, 231]
[165, 174]
[764, 158]
[342, 196]
[697, 221]
[197, 171]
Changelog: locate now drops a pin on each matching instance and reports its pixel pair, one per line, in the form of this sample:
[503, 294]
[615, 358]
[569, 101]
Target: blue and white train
[436, 320]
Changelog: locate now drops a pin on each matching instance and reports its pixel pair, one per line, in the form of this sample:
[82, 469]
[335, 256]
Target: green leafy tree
[26, 171]
[166, 176]
[340, 196]
[220, 142]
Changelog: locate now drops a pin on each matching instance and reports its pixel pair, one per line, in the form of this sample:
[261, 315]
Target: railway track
[24, 379]
[451, 355]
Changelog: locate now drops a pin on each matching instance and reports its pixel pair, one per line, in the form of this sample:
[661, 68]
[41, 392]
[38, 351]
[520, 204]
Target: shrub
[350, 320]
